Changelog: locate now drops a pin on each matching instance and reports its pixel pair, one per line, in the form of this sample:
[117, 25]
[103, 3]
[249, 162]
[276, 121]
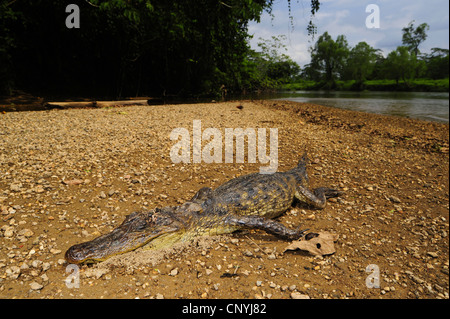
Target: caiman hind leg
[316, 198]
[267, 225]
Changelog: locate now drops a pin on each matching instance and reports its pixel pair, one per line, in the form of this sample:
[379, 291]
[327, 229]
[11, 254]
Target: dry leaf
[321, 245]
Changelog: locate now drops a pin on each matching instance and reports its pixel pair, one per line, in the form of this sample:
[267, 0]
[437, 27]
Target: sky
[348, 17]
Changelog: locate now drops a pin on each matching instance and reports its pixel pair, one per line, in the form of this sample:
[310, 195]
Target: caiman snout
[75, 255]
[137, 230]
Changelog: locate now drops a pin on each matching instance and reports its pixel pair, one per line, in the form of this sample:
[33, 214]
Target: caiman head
[138, 229]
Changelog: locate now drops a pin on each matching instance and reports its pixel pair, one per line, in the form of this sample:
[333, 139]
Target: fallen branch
[66, 105]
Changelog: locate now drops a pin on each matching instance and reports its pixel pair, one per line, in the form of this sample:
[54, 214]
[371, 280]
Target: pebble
[394, 199]
[36, 286]
[297, 295]
[409, 247]
[55, 251]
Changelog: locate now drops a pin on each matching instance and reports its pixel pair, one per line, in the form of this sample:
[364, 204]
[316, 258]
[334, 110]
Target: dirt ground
[68, 176]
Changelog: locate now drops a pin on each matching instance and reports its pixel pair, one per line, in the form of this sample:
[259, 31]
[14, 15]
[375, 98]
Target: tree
[277, 66]
[400, 64]
[437, 63]
[412, 38]
[361, 62]
[329, 56]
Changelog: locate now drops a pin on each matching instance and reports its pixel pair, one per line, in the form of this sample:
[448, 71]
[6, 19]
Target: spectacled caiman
[247, 201]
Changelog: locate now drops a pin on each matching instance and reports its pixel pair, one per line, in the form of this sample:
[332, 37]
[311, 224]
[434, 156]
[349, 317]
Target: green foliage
[328, 57]
[401, 64]
[412, 38]
[361, 62]
[334, 65]
[437, 63]
[140, 47]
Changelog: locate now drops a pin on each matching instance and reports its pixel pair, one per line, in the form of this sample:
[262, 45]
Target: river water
[428, 106]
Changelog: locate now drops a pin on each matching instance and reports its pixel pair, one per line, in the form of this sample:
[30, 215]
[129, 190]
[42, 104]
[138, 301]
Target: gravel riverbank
[67, 176]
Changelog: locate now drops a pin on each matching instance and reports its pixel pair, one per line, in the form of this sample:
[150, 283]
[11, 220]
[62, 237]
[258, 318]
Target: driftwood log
[99, 104]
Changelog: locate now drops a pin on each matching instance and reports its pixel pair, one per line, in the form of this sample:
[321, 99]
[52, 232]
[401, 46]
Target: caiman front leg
[316, 198]
[267, 225]
[202, 195]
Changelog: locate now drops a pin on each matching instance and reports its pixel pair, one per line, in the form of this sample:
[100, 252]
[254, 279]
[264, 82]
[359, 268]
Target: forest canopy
[130, 48]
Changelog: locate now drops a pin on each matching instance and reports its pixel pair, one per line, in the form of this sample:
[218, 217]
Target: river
[420, 105]
[428, 106]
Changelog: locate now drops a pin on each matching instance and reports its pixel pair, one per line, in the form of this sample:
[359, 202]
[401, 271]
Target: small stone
[45, 266]
[26, 232]
[173, 272]
[432, 254]
[36, 286]
[9, 233]
[258, 283]
[16, 187]
[159, 296]
[297, 295]
[394, 199]
[248, 253]
[55, 251]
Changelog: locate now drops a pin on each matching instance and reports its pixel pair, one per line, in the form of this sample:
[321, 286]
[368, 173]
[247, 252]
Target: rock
[45, 266]
[394, 199]
[9, 232]
[16, 187]
[36, 286]
[248, 253]
[297, 295]
[432, 254]
[55, 251]
[271, 256]
[173, 272]
[73, 182]
[13, 272]
[26, 232]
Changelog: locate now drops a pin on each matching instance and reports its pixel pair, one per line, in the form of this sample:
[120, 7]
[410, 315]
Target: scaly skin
[247, 201]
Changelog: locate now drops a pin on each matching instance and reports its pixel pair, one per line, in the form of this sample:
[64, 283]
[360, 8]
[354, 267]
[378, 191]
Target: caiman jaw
[137, 230]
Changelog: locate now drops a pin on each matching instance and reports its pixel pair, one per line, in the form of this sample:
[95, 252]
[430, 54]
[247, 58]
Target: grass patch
[417, 85]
